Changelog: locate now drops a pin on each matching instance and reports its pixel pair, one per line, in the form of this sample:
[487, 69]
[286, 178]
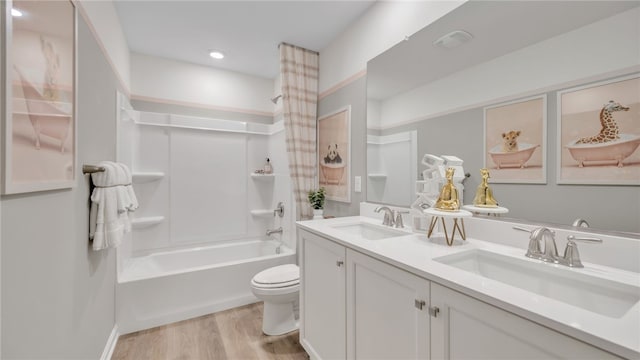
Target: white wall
[171, 81]
[604, 47]
[104, 23]
[385, 24]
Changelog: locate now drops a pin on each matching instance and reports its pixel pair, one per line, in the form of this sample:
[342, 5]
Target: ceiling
[247, 32]
[497, 27]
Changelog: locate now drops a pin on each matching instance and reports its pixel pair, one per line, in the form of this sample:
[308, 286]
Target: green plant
[316, 198]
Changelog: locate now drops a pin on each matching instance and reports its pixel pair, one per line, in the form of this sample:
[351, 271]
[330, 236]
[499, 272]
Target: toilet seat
[277, 277]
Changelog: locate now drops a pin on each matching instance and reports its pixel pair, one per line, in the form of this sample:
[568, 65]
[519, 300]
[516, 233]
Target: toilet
[279, 288]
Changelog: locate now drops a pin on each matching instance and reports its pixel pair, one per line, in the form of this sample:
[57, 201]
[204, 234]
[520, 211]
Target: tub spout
[274, 231]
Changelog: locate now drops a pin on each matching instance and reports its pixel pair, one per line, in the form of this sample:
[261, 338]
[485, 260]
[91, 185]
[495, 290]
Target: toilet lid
[278, 275]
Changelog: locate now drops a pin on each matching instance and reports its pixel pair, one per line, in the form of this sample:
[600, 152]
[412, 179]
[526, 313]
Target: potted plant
[316, 199]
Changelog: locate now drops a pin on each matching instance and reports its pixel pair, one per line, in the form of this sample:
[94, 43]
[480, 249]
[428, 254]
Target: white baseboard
[111, 344]
[129, 324]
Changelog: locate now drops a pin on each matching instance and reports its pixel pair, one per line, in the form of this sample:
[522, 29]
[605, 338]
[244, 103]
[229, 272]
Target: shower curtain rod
[298, 47]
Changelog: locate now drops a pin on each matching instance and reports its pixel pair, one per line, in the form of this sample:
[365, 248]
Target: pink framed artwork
[39, 127]
[515, 141]
[599, 133]
[334, 154]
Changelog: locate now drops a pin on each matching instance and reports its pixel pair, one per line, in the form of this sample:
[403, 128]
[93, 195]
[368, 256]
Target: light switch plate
[357, 184]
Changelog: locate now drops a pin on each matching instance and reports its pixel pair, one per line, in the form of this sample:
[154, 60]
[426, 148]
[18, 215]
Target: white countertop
[414, 253]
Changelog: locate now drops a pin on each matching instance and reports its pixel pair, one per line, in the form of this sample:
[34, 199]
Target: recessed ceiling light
[216, 55]
[15, 12]
[453, 39]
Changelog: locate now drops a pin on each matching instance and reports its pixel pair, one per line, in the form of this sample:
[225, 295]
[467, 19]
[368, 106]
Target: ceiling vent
[453, 39]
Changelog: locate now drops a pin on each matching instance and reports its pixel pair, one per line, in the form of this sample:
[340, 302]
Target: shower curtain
[299, 72]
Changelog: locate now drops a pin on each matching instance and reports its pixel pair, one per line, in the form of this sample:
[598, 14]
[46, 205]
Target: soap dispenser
[268, 169]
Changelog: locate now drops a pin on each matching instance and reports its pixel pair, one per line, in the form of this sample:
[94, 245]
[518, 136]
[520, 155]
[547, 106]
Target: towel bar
[89, 169]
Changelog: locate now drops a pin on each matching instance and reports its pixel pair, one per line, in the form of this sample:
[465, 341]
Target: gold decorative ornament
[448, 199]
[484, 195]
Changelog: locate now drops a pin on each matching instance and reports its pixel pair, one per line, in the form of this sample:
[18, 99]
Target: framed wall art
[599, 133]
[39, 126]
[515, 141]
[334, 154]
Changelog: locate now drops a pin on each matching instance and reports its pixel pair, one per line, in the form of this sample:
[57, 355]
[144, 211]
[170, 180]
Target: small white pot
[317, 214]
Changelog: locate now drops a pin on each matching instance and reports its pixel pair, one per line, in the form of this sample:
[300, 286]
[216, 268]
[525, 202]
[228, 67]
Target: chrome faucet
[388, 215]
[579, 222]
[274, 231]
[571, 256]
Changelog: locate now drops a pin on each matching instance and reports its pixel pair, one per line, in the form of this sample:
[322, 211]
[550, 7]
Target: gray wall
[150, 106]
[57, 294]
[354, 94]
[461, 134]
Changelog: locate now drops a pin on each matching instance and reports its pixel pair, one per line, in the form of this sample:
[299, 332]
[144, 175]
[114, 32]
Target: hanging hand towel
[111, 202]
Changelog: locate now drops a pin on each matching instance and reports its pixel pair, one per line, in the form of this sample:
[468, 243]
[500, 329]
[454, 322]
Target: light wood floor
[231, 334]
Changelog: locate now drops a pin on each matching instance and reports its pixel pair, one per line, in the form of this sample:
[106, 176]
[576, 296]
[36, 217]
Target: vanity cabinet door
[387, 311]
[322, 297]
[466, 328]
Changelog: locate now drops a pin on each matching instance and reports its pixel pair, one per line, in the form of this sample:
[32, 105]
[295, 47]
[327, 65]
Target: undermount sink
[594, 294]
[369, 231]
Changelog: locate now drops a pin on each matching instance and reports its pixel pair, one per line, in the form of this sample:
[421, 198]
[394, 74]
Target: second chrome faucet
[543, 235]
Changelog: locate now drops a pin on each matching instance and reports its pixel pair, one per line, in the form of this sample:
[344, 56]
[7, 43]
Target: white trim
[204, 124]
[389, 139]
[110, 346]
[342, 84]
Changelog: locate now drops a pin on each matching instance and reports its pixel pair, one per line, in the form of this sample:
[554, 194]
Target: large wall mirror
[428, 99]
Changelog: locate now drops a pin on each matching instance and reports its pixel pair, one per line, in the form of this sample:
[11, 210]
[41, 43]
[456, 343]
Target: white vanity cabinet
[381, 311]
[354, 306]
[466, 328]
[322, 297]
[387, 311]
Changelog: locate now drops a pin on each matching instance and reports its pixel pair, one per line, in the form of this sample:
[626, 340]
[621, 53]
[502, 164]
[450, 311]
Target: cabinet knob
[419, 304]
[433, 311]
[339, 263]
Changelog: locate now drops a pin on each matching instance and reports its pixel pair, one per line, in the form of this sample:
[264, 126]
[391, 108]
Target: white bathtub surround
[299, 73]
[172, 286]
[200, 233]
[111, 201]
[613, 262]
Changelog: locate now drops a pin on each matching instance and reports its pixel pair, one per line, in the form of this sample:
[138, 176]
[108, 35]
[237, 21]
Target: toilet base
[278, 318]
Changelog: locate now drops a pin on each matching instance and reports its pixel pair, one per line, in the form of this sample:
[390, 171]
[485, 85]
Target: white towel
[111, 201]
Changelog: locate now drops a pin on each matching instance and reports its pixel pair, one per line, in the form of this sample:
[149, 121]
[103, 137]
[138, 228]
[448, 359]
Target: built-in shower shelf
[262, 176]
[379, 176]
[262, 213]
[147, 221]
[145, 177]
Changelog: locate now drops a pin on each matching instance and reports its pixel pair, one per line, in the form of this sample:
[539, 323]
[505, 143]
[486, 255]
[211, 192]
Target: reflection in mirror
[441, 93]
[391, 167]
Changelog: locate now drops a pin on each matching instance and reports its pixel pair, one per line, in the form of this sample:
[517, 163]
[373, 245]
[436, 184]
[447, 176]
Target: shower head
[275, 99]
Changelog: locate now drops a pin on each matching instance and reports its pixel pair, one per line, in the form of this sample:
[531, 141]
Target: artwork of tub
[610, 152]
[516, 158]
[599, 133]
[334, 154]
[515, 141]
[331, 173]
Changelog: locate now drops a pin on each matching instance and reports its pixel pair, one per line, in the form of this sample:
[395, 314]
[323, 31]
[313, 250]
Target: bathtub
[613, 151]
[332, 173]
[177, 285]
[517, 158]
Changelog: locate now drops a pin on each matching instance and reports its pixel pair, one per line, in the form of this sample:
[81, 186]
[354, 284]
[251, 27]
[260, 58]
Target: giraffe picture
[599, 133]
